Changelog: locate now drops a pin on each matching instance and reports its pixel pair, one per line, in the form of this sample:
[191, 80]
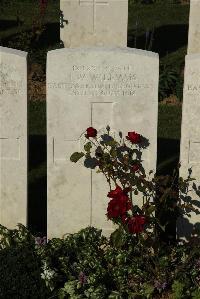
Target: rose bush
[139, 202]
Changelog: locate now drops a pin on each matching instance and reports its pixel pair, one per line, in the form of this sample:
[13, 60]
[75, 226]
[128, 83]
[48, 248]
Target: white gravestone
[93, 87]
[13, 137]
[194, 27]
[94, 23]
[190, 134]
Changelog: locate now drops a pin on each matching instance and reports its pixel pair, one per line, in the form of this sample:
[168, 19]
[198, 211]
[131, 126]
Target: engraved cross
[94, 4]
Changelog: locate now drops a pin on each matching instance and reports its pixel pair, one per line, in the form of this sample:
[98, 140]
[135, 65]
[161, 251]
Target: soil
[172, 100]
[36, 83]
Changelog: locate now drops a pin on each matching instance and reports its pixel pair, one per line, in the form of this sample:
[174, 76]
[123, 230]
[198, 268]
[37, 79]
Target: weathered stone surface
[94, 23]
[194, 27]
[98, 87]
[13, 137]
[190, 136]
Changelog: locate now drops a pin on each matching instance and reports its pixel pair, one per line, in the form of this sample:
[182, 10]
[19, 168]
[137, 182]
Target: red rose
[135, 167]
[91, 132]
[133, 137]
[117, 207]
[118, 192]
[136, 224]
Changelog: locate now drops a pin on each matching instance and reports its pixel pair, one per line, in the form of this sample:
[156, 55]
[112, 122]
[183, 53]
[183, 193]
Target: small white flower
[130, 213]
[48, 274]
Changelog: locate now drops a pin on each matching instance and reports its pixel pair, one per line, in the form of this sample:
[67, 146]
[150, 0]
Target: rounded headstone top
[105, 49]
[13, 51]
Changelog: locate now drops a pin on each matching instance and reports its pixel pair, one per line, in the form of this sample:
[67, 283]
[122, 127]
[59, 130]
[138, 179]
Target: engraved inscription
[8, 83]
[101, 81]
[192, 88]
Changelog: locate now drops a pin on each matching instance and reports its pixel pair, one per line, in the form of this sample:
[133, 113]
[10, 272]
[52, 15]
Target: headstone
[194, 27]
[98, 87]
[190, 137]
[13, 137]
[93, 23]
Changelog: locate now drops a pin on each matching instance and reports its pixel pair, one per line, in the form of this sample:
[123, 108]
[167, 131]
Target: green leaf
[88, 146]
[177, 288]
[150, 210]
[148, 290]
[113, 153]
[196, 294]
[114, 295]
[117, 237]
[76, 156]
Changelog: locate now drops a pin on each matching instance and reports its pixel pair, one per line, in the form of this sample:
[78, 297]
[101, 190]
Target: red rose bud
[136, 224]
[135, 167]
[91, 132]
[134, 137]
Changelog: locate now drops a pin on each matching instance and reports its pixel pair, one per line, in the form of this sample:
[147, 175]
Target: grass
[37, 118]
[22, 14]
[169, 122]
[157, 15]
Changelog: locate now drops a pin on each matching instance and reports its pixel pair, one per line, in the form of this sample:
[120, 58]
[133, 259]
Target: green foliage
[88, 265]
[76, 156]
[170, 82]
[179, 88]
[21, 266]
[15, 237]
[196, 294]
[177, 288]
[169, 122]
[20, 275]
[167, 81]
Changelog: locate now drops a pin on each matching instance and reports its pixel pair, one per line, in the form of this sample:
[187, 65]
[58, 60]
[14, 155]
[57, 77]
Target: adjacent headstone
[13, 137]
[94, 23]
[98, 87]
[194, 27]
[190, 138]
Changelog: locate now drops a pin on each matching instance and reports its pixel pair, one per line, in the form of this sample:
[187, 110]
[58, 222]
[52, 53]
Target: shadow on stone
[184, 228]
